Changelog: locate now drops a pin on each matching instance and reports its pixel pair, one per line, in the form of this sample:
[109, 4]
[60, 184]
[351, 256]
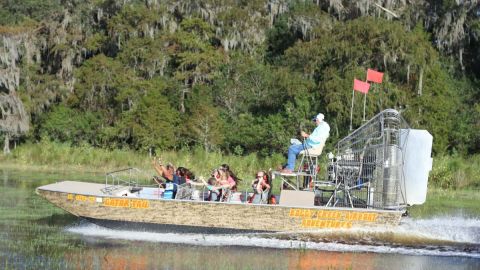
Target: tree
[13, 118]
[196, 59]
[151, 121]
[17, 12]
[204, 124]
[147, 57]
[69, 125]
[99, 81]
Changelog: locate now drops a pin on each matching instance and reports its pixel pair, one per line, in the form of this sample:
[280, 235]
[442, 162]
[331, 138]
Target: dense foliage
[237, 76]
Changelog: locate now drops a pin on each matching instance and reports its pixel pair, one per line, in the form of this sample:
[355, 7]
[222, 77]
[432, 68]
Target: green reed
[456, 172]
[448, 202]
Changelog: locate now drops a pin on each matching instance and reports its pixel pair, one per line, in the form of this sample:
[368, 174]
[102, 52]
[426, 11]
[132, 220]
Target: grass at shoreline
[441, 202]
[51, 156]
[455, 172]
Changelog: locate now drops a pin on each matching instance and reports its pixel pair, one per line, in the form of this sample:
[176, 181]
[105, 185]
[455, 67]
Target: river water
[36, 235]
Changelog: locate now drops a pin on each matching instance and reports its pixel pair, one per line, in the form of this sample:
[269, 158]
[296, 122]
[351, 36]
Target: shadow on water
[58, 220]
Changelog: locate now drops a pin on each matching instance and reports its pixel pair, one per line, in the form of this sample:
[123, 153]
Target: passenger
[318, 136]
[272, 200]
[231, 176]
[261, 187]
[261, 182]
[223, 184]
[166, 172]
[214, 190]
[177, 177]
[224, 179]
[181, 174]
[189, 176]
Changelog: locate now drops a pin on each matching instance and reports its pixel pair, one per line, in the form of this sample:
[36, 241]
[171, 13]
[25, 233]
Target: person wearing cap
[318, 136]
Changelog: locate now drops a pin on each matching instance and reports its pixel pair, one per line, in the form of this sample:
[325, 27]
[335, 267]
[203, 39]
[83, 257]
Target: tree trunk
[460, 58]
[420, 82]
[6, 146]
[182, 96]
[408, 73]
[182, 101]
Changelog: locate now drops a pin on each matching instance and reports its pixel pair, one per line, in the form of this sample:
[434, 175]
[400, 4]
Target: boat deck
[82, 188]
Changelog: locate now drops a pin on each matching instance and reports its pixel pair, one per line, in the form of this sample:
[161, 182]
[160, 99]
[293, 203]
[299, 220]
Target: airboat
[371, 178]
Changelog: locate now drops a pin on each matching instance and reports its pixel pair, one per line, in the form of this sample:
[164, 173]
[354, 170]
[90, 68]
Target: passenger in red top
[232, 178]
[223, 180]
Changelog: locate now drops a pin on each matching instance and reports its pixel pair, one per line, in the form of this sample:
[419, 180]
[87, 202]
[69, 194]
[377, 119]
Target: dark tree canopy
[235, 76]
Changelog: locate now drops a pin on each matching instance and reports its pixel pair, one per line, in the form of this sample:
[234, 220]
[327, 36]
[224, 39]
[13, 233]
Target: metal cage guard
[368, 167]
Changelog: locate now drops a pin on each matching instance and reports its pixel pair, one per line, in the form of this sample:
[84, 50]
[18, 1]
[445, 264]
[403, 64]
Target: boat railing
[128, 177]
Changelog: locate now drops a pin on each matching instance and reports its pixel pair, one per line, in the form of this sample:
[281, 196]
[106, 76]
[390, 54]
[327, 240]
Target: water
[35, 234]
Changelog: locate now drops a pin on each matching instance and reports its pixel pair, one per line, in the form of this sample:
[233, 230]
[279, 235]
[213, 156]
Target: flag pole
[381, 98]
[365, 100]
[364, 105]
[351, 109]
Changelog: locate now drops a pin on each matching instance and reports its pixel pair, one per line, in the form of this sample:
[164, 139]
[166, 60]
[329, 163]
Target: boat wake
[441, 236]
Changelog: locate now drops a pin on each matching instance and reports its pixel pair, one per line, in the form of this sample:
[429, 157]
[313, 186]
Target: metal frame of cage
[368, 167]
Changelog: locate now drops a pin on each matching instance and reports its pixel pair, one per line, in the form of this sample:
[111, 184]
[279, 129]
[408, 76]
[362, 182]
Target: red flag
[361, 86]
[374, 76]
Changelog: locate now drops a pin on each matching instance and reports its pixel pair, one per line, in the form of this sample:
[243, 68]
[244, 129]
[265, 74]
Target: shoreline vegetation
[53, 156]
[449, 172]
[454, 181]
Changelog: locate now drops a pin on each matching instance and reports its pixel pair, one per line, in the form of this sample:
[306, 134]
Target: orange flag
[374, 76]
[361, 86]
